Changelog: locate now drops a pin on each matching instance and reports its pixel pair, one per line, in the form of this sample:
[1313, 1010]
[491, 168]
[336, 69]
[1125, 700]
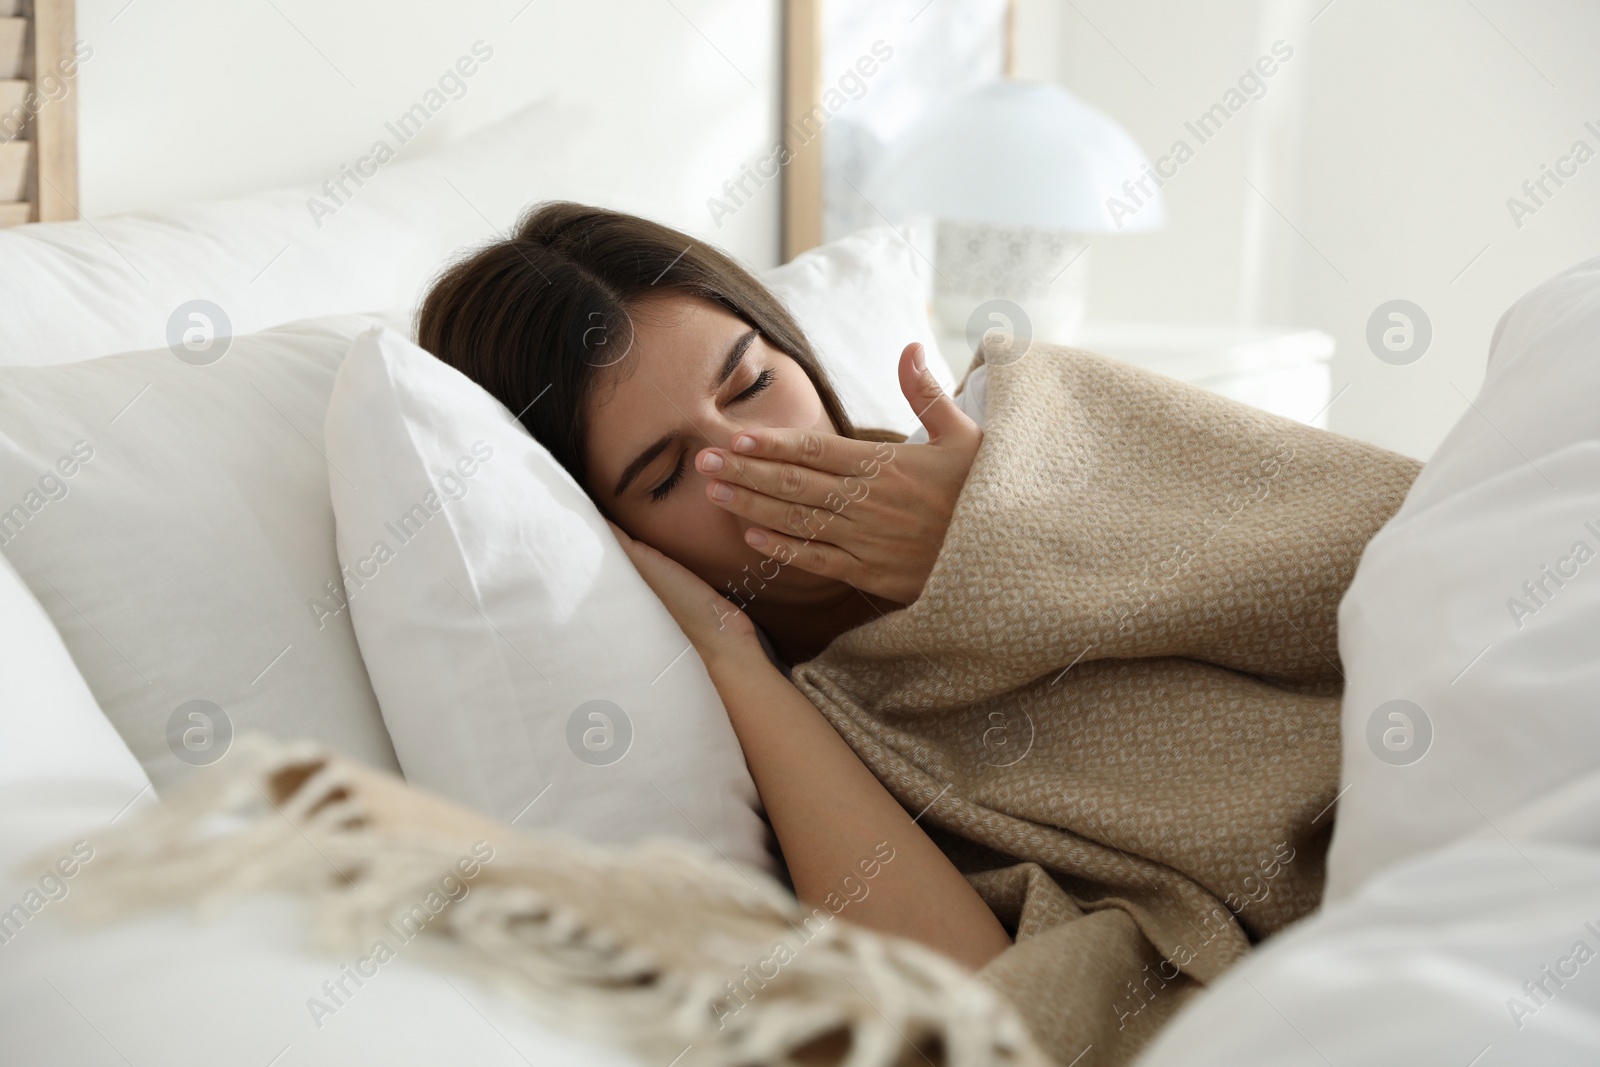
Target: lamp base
[1021, 279]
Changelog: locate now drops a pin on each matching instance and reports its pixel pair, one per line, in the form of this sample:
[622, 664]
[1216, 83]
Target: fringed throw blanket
[680, 956]
[1117, 697]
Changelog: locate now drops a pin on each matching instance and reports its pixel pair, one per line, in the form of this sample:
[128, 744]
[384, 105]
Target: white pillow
[523, 666]
[76, 290]
[861, 300]
[50, 726]
[1498, 686]
[174, 520]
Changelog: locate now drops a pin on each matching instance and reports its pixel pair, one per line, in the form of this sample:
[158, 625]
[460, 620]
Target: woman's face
[695, 376]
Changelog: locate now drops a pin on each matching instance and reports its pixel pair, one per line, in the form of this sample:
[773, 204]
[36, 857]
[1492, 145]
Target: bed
[194, 487]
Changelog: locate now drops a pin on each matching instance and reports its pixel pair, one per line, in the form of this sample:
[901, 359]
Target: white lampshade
[1017, 154]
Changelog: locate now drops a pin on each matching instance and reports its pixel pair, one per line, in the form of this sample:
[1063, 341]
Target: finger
[937, 411]
[782, 481]
[798, 520]
[815, 557]
[815, 449]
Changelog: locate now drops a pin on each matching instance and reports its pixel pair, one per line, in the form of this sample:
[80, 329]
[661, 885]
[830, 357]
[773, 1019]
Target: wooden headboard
[38, 111]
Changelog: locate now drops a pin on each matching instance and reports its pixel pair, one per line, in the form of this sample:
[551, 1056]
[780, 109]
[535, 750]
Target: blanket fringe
[656, 946]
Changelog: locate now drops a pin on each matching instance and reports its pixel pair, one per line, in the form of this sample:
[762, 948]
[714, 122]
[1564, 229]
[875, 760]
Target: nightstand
[1285, 371]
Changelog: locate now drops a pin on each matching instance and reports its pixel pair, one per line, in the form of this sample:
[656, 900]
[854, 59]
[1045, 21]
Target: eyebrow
[735, 354]
[730, 364]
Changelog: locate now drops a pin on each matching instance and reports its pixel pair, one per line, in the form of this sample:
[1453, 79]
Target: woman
[686, 401]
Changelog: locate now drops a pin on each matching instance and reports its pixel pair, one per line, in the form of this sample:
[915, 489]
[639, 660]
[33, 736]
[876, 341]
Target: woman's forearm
[832, 818]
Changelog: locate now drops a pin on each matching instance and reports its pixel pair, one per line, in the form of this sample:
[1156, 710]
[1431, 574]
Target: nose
[718, 430]
[715, 464]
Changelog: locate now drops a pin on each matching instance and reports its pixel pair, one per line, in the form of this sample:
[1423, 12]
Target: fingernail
[710, 462]
[744, 443]
[919, 358]
[755, 538]
[721, 491]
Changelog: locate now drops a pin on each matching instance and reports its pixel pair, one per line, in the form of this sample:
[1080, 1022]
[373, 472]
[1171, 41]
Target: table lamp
[1015, 175]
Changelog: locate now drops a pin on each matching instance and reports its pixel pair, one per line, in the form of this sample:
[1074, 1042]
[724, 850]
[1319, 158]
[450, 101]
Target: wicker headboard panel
[38, 111]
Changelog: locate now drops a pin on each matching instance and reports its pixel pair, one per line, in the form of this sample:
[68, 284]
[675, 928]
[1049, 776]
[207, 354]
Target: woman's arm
[834, 820]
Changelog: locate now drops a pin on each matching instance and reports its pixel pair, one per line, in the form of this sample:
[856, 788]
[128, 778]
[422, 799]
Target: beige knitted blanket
[1117, 697]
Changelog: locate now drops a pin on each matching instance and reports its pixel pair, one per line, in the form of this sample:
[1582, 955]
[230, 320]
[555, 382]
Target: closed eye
[671, 481]
[764, 379]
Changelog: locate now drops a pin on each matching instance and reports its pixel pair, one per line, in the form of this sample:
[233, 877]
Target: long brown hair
[535, 317]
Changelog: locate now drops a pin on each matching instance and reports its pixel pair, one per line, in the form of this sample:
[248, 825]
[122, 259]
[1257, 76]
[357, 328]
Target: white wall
[186, 99]
[1387, 147]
